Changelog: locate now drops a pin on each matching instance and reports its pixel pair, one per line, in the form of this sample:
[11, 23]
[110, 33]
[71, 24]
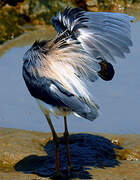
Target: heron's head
[35, 54]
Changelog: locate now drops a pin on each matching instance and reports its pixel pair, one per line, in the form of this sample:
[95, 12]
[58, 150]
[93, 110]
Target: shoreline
[22, 150]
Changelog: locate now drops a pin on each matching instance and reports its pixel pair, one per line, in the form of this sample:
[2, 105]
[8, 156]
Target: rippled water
[119, 100]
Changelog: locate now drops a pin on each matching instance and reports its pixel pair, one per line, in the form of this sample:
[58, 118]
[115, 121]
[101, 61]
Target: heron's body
[57, 111]
[56, 71]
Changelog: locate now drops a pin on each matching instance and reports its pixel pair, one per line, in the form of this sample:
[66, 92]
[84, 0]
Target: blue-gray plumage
[56, 71]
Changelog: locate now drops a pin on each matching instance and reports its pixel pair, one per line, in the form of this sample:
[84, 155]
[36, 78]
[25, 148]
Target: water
[119, 99]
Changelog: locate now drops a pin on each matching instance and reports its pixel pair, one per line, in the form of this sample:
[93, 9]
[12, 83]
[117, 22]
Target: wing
[52, 92]
[76, 104]
[101, 34]
[64, 60]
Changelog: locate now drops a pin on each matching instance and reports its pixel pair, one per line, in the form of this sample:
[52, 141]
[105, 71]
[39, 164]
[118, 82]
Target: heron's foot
[70, 172]
[58, 176]
[74, 169]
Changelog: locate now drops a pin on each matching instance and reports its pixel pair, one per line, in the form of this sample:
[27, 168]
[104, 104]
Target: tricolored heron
[55, 71]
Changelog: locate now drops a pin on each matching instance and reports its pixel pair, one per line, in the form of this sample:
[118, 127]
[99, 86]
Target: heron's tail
[90, 110]
[91, 115]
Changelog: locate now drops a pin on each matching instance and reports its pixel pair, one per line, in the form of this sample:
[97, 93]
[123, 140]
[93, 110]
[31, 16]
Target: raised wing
[101, 34]
[81, 50]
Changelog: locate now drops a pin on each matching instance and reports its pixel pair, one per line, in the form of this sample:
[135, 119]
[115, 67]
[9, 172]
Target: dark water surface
[119, 100]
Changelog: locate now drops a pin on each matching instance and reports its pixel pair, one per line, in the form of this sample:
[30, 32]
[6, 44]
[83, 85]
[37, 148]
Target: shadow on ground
[86, 151]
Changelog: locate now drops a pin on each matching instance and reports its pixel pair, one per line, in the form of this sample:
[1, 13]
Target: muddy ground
[29, 155]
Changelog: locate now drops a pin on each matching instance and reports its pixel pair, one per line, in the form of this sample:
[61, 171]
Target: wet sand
[30, 155]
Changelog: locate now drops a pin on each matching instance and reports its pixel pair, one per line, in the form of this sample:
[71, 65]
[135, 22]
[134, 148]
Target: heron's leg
[66, 136]
[56, 142]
